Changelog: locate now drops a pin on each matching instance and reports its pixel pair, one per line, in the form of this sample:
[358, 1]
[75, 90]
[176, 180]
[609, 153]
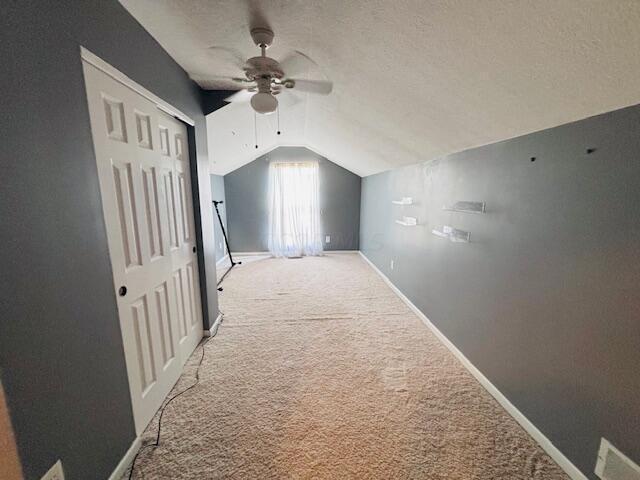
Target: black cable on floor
[157, 442]
[224, 275]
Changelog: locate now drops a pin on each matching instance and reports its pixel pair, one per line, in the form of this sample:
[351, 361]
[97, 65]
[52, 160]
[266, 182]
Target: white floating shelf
[466, 207]
[453, 234]
[403, 201]
[407, 221]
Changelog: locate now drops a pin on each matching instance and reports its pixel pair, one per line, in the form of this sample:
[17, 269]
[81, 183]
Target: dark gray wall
[217, 193]
[248, 216]
[61, 355]
[545, 299]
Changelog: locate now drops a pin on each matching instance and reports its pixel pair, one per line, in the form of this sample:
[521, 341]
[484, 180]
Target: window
[294, 209]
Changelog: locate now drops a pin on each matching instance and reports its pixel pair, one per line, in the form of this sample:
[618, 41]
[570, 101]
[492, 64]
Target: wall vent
[614, 465]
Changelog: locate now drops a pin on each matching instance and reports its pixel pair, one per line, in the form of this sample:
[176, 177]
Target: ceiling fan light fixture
[264, 103]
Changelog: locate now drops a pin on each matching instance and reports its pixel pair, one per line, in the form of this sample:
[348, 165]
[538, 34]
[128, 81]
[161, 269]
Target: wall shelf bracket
[453, 234]
[408, 221]
[466, 207]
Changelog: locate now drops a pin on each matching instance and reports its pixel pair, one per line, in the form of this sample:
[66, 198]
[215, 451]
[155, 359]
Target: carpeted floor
[319, 371]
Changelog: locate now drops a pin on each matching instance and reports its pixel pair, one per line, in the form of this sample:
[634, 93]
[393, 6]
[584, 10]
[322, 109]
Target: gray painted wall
[544, 301]
[248, 217]
[217, 193]
[61, 355]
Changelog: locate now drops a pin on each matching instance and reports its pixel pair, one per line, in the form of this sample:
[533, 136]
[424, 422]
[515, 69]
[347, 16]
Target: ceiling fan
[265, 77]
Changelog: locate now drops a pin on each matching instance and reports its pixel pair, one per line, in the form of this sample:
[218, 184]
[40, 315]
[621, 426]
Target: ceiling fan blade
[218, 78]
[321, 87]
[296, 63]
[287, 98]
[227, 55]
[214, 82]
[240, 97]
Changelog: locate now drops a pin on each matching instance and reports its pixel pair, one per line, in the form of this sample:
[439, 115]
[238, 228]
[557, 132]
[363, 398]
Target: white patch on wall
[55, 472]
[614, 465]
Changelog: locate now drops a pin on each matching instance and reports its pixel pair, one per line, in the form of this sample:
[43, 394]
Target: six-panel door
[143, 169]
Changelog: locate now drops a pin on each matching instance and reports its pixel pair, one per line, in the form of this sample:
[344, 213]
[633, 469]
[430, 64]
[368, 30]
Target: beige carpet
[319, 371]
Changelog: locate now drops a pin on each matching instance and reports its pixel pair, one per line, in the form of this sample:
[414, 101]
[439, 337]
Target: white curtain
[294, 209]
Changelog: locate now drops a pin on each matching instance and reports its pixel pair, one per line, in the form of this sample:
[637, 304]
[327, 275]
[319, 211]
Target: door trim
[117, 75]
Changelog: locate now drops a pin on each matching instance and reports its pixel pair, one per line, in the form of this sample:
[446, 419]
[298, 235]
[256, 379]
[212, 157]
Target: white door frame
[117, 75]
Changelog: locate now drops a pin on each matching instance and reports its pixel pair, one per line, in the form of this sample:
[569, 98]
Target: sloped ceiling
[413, 79]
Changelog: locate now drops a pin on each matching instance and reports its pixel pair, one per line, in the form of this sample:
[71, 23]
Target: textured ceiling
[412, 79]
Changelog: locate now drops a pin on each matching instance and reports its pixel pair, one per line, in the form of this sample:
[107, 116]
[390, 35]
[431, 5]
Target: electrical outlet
[327, 239]
[391, 265]
[55, 472]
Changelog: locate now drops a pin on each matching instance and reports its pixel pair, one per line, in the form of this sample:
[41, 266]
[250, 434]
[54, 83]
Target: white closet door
[143, 170]
[182, 244]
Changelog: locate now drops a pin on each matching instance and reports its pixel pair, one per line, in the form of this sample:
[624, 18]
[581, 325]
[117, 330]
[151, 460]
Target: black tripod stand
[226, 242]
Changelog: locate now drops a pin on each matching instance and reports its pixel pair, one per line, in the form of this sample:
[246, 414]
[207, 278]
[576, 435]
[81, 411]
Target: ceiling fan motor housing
[267, 77]
[262, 36]
[262, 67]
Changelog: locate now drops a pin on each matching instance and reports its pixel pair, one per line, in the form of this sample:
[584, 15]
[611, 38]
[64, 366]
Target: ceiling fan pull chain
[255, 127]
[278, 114]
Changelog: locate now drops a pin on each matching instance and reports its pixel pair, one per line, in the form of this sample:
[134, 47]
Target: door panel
[182, 251]
[151, 202]
[143, 171]
[184, 215]
[144, 343]
[127, 213]
[166, 327]
[191, 279]
[170, 202]
[179, 296]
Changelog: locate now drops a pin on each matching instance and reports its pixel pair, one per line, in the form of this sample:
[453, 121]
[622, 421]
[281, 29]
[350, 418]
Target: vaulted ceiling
[413, 79]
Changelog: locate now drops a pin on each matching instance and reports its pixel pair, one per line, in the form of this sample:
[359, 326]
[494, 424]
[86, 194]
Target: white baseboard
[326, 252]
[135, 446]
[564, 463]
[222, 260]
[241, 254]
[214, 328]
[126, 460]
